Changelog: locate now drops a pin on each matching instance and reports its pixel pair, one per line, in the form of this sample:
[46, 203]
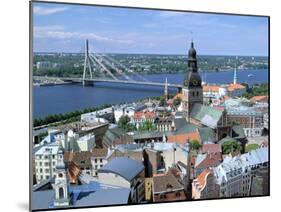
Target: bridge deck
[80, 80]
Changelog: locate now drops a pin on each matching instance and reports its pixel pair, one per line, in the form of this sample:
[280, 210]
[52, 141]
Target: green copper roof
[238, 132]
[206, 134]
[207, 115]
[182, 126]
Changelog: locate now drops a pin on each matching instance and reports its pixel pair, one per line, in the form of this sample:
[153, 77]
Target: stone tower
[61, 185]
[192, 86]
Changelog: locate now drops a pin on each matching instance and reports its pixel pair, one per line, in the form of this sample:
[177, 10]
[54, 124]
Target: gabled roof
[206, 134]
[166, 183]
[207, 115]
[211, 148]
[99, 152]
[201, 180]
[123, 166]
[208, 160]
[238, 132]
[182, 126]
[259, 99]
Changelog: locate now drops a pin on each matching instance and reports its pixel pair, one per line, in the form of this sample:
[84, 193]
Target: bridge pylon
[87, 64]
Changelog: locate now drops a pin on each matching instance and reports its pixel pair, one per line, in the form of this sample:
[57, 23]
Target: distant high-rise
[192, 86]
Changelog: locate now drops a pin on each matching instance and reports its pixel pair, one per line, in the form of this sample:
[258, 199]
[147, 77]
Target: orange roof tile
[202, 178]
[146, 115]
[233, 87]
[211, 88]
[182, 138]
[259, 99]
[178, 95]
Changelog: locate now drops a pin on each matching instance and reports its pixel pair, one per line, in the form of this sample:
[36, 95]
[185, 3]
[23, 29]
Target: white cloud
[58, 32]
[38, 10]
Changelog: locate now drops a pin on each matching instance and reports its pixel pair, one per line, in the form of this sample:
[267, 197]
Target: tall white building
[45, 162]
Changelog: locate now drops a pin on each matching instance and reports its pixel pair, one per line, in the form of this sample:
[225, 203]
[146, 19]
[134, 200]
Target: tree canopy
[231, 146]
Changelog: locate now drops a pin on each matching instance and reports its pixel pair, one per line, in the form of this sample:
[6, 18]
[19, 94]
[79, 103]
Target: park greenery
[231, 146]
[124, 123]
[147, 126]
[257, 90]
[251, 147]
[57, 119]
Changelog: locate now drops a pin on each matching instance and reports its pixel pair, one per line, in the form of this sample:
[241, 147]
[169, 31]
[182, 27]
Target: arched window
[61, 193]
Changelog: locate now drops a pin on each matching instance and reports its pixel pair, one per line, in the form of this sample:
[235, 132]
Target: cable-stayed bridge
[106, 64]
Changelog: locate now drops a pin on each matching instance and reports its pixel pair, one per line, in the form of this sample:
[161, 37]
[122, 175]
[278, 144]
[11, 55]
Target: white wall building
[45, 162]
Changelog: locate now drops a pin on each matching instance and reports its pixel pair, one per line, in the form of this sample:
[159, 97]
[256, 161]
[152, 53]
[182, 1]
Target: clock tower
[192, 85]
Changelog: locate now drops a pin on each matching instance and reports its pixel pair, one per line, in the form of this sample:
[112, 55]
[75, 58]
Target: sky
[64, 28]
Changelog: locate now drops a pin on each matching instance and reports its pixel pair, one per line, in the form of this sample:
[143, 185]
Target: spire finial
[191, 35]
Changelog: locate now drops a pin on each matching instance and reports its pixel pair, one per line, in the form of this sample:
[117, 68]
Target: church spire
[166, 90]
[235, 73]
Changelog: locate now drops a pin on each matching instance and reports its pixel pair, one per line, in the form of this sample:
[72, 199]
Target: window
[96, 160]
[197, 93]
[61, 193]
[101, 160]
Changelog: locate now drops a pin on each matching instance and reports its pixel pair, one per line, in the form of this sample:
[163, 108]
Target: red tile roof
[144, 115]
[211, 160]
[183, 138]
[233, 87]
[202, 178]
[211, 88]
[211, 148]
[259, 99]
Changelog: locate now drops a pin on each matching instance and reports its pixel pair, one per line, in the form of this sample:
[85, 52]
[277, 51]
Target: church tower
[192, 86]
[61, 182]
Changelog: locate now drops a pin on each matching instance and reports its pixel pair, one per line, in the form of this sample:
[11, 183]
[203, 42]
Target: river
[65, 98]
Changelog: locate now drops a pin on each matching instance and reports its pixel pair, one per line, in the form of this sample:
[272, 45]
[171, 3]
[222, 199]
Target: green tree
[147, 126]
[162, 101]
[177, 102]
[194, 145]
[124, 123]
[231, 146]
